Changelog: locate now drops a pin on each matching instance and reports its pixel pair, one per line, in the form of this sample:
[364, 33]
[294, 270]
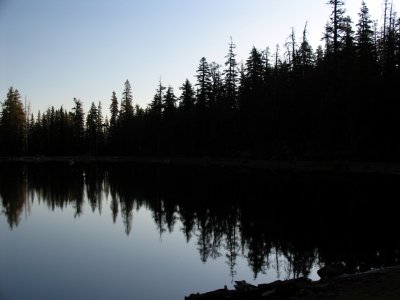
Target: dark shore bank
[382, 284]
[273, 165]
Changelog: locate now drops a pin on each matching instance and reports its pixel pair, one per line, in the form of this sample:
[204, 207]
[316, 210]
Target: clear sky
[55, 50]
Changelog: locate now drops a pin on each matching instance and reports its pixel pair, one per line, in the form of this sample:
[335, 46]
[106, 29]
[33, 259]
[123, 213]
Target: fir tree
[126, 110]
[114, 111]
[156, 105]
[203, 84]
[78, 126]
[12, 124]
[92, 128]
[335, 28]
[169, 102]
[187, 98]
[231, 76]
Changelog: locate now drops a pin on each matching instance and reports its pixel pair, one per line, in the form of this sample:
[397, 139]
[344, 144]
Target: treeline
[338, 101]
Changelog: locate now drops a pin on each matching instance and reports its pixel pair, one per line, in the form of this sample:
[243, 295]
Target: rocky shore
[382, 284]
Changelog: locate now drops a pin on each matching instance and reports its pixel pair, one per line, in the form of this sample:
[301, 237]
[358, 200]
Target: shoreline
[376, 284]
[377, 167]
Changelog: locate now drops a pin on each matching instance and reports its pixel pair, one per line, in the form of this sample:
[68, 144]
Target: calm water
[118, 231]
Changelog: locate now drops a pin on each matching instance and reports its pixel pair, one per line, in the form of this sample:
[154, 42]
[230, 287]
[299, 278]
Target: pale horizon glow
[53, 50]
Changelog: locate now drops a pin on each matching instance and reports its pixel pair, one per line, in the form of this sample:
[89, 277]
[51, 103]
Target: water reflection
[288, 222]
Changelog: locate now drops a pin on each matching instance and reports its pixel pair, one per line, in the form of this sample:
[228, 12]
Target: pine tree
[365, 33]
[156, 105]
[114, 111]
[291, 50]
[216, 84]
[78, 118]
[113, 127]
[389, 46]
[335, 28]
[99, 119]
[12, 124]
[397, 47]
[187, 98]
[243, 87]
[267, 70]
[306, 56]
[365, 47]
[169, 102]
[203, 84]
[92, 128]
[231, 76]
[254, 69]
[126, 110]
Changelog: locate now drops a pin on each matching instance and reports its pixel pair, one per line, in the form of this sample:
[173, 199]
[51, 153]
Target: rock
[243, 286]
[192, 296]
[331, 271]
[357, 286]
[305, 293]
[214, 295]
[268, 294]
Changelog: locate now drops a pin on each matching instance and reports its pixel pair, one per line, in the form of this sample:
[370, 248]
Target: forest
[339, 101]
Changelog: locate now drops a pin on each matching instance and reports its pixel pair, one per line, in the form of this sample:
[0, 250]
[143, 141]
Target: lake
[142, 231]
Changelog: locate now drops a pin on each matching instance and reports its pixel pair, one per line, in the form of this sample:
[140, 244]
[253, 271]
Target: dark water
[124, 231]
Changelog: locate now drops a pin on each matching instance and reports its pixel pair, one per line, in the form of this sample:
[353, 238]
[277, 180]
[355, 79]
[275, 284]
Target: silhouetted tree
[78, 126]
[126, 110]
[12, 124]
[186, 128]
[114, 111]
[94, 129]
[306, 55]
[169, 102]
[216, 93]
[335, 28]
[187, 98]
[157, 104]
[365, 34]
[254, 70]
[204, 86]
[231, 76]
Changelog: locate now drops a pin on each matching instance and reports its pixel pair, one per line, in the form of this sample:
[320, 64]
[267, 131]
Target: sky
[55, 50]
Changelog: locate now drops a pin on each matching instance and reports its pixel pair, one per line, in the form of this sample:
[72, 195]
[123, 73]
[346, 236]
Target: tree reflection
[285, 222]
[187, 218]
[204, 235]
[127, 215]
[57, 185]
[114, 207]
[231, 241]
[13, 193]
[94, 181]
[300, 261]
